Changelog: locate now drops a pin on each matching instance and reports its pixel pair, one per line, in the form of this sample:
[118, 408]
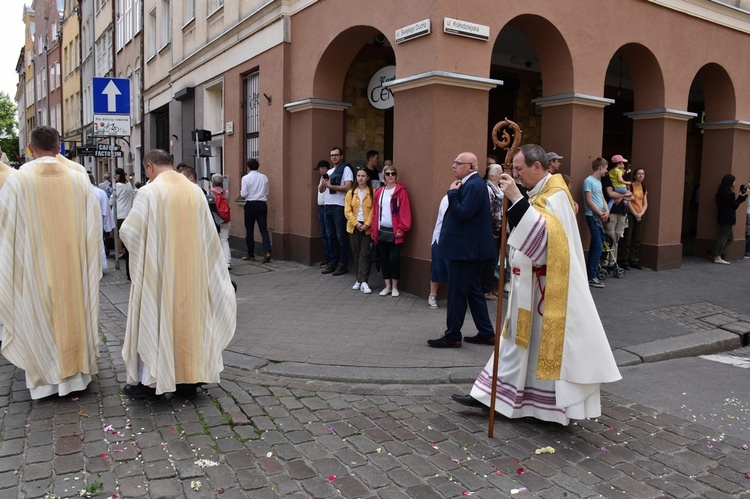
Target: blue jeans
[323, 233]
[595, 248]
[338, 240]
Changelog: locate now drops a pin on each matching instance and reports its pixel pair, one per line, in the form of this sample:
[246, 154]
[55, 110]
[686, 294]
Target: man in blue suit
[466, 242]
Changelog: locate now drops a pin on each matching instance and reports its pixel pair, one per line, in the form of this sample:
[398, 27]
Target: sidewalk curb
[687, 345]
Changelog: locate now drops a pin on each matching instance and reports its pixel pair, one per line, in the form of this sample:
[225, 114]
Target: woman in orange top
[629, 249]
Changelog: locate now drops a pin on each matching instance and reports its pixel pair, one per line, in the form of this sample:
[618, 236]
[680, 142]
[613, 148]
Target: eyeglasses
[335, 155]
[390, 174]
[459, 163]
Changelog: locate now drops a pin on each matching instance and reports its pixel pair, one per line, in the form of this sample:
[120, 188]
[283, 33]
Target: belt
[539, 271]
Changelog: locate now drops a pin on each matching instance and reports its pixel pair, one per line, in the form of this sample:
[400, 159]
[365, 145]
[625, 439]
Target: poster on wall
[379, 96]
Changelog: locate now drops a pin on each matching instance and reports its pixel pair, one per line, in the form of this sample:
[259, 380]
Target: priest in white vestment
[50, 234]
[182, 311]
[554, 353]
[5, 171]
[108, 221]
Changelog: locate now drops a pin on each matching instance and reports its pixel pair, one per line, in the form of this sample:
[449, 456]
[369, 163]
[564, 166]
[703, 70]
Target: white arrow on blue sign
[111, 95]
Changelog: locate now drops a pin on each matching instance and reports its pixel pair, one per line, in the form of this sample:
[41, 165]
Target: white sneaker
[365, 288]
[385, 292]
[395, 293]
[356, 285]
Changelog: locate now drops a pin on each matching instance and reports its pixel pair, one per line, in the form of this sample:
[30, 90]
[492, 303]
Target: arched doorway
[711, 153]
[520, 58]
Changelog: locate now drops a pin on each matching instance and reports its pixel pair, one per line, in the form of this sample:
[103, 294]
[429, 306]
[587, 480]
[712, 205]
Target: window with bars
[252, 115]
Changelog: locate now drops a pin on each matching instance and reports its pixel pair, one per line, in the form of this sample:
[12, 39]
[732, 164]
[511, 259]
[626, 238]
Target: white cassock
[5, 171]
[50, 236]
[550, 367]
[182, 311]
[108, 221]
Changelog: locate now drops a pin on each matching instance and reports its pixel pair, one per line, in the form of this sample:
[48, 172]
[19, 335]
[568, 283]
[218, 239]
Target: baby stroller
[608, 262]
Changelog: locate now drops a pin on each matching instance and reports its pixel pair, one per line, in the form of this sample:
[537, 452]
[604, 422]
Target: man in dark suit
[466, 242]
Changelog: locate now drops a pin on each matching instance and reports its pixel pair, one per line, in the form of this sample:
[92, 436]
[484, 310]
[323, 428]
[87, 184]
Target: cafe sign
[379, 96]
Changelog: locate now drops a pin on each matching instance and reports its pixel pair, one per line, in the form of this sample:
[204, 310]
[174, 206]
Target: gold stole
[549, 362]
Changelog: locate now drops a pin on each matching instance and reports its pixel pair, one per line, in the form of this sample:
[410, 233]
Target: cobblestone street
[260, 436]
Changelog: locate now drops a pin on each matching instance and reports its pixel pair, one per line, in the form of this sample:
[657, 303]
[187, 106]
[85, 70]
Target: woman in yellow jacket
[358, 211]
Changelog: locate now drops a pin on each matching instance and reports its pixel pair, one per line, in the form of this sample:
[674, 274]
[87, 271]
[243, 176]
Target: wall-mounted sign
[413, 31]
[379, 96]
[465, 28]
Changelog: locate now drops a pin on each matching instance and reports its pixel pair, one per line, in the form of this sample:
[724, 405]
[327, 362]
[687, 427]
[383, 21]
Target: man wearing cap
[322, 169]
[615, 226]
[553, 162]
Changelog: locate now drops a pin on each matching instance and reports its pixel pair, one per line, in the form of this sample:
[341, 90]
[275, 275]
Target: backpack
[222, 206]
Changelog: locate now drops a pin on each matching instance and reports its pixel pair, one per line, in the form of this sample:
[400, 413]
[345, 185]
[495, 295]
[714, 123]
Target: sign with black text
[379, 96]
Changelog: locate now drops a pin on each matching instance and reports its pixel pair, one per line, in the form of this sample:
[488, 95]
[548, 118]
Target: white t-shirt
[385, 208]
[360, 213]
[439, 222]
[321, 195]
[339, 198]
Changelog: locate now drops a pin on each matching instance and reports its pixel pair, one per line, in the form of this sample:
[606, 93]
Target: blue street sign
[111, 95]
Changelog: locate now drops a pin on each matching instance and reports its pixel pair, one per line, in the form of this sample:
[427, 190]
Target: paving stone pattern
[260, 437]
[704, 316]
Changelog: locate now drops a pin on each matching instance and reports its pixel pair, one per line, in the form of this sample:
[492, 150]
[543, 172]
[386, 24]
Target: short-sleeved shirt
[594, 186]
[336, 197]
[617, 208]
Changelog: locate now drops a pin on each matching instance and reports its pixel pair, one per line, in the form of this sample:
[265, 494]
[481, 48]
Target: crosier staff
[511, 145]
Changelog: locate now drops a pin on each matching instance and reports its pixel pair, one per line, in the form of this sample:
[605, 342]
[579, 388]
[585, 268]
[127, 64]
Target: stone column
[726, 148]
[578, 121]
[315, 125]
[659, 145]
[437, 115]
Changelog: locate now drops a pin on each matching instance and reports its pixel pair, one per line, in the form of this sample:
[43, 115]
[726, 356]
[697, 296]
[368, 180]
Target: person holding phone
[726, 216]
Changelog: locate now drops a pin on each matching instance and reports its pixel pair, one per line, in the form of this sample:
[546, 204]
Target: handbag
[385, 235]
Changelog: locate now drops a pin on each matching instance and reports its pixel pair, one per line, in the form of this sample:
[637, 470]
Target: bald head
[464, 164]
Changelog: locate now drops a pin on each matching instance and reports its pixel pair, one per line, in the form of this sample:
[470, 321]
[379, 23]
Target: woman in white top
[124, 194]
[391, 220]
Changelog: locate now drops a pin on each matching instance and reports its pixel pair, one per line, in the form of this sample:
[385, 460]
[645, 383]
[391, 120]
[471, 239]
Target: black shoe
[481, 339]
[139, 391]
[324, 263]
[637, 266]
[341, 270]
[625, 267]
[466, 400]
[329, 269]
[187, 390]
[444, 342]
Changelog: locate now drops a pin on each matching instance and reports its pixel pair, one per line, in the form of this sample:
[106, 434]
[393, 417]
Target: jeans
[224, 239]
[595, 248]
[338, 239]
[256, 211]
[323, 233]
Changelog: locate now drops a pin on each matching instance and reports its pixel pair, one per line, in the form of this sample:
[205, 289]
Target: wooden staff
[511, 145]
